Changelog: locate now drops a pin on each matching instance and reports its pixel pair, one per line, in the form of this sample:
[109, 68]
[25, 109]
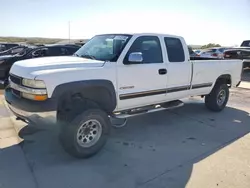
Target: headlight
[1, 61]
[34, 83]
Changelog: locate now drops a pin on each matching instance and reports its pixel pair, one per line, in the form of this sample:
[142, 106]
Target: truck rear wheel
[86, 134]
[218, 98]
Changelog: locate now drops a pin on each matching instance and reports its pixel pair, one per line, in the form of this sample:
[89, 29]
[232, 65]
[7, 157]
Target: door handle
[162, 71]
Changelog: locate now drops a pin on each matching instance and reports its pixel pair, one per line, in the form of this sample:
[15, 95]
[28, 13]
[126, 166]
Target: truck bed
[202, 70]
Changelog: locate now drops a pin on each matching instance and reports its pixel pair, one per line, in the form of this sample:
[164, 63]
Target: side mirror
[135, 57]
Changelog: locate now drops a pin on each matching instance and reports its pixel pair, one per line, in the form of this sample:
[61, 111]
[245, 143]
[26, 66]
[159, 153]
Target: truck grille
[16, 93]
[16, 79]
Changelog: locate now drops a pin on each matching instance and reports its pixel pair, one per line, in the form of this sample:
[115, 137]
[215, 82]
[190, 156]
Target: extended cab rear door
[144, 83]
[179, 68]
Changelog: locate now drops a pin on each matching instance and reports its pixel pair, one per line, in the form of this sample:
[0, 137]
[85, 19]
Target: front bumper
[31, 111]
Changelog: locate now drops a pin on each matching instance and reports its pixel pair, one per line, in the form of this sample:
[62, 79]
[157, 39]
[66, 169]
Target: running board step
[148, 109]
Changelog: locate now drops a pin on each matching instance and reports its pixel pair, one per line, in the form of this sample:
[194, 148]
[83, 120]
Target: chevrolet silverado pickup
[111, 78]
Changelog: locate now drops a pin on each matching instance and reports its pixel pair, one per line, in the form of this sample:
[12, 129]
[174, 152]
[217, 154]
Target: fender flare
[100, 91]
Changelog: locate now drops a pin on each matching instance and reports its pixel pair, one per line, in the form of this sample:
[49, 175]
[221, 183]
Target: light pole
[69, 31]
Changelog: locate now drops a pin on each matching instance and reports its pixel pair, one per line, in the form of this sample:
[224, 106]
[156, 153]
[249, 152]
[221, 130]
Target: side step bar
[148, 109]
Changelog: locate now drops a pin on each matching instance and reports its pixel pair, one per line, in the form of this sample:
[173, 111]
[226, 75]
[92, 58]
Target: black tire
[212, 100]
[69, 132]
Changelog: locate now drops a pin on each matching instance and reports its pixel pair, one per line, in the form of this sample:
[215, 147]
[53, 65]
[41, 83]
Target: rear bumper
[31, 111]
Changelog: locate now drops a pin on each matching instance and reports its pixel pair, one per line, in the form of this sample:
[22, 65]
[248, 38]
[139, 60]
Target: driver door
[142, 83]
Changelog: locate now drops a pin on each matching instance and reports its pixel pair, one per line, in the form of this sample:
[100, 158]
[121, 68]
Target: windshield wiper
[76, 55]
[88, 56]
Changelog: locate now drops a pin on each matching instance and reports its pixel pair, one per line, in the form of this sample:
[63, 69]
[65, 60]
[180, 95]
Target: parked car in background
[197, 51]
[6, 46]
[242, 52]
[245, 43]
[74, 45]
[191, 52]
[217, 53]
[7, 61]
[14, 50]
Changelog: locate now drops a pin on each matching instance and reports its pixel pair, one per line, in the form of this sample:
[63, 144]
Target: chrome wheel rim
[221, 97]
[89, 133]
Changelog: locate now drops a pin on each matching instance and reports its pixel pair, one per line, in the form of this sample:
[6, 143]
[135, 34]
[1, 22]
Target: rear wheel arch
[225, 78]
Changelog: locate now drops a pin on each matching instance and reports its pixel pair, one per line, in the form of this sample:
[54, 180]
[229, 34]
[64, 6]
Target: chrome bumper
[31, 111]
[33, 117]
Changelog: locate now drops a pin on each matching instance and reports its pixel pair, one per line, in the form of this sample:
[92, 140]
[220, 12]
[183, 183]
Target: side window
[150, 48]
[44, 52]
[174, 49]
[3, 47]
[36, 53]
[71, 51]
[17, 50]
[64, 51]
[39, 53]
[221, 50]
[54, 51]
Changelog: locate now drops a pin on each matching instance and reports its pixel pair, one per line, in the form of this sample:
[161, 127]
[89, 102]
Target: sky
[226, 22]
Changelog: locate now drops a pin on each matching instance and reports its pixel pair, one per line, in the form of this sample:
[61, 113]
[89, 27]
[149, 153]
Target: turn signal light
[34, 97]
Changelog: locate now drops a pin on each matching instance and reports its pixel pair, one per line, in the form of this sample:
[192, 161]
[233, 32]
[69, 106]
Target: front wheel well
[80, 100]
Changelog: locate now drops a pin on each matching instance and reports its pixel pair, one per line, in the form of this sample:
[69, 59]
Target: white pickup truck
[115, 76]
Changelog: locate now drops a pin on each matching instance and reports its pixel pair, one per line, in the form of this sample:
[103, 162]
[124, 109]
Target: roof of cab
[143, 34]
[158, 34]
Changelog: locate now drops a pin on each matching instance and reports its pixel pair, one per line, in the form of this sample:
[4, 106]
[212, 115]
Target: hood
[31, 67]
[3, 57]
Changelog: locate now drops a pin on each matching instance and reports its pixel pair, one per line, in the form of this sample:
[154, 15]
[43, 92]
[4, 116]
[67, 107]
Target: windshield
[104, 47]
[25, 51]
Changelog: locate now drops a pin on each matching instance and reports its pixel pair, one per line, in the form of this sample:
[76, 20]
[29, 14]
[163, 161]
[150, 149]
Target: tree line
[210, 45]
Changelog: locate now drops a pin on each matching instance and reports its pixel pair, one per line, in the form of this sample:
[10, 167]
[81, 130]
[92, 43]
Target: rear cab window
[175, 49]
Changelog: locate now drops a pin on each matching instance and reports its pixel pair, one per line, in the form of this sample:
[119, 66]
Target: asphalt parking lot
[186, 147]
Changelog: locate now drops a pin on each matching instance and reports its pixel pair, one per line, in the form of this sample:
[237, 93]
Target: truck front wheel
[86, 134]
[218, 98]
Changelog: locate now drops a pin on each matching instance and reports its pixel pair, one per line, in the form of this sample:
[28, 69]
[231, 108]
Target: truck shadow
[154, 150]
